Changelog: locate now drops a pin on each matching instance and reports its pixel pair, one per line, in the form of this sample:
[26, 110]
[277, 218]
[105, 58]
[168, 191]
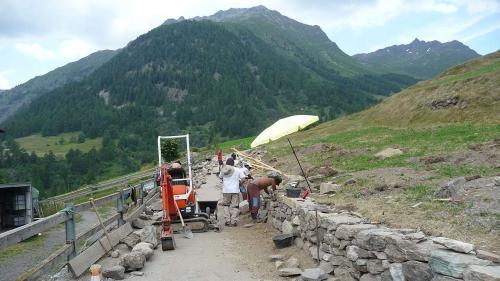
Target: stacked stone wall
[360, 250]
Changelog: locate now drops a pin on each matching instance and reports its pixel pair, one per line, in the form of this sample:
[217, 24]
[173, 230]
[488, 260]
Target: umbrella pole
[303, 174]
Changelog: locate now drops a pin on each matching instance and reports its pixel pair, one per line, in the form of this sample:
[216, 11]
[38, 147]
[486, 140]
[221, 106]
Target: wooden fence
[91, 189]
[67, 215]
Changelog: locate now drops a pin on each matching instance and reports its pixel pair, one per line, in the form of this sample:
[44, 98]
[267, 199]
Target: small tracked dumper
[179, 199]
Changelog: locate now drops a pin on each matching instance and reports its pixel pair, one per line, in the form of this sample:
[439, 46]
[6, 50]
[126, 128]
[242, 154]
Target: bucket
[293, 192]
[282, 240]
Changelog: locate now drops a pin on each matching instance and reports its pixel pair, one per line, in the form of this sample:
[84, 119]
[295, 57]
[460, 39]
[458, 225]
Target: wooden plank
[56, 258]
[98, 202]
[96, 228]
[84, 260]
[24, 232]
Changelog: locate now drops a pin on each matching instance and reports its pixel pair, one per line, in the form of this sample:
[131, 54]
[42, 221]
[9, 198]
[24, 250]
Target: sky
[39, 36]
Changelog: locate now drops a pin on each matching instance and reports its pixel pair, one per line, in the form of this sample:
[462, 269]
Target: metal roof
[15, 185]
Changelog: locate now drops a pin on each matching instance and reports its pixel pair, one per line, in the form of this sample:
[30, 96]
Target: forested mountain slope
[11, 100]
[192, 74]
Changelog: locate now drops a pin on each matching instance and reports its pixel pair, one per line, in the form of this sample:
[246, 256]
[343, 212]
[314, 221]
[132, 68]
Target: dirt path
[233, 254]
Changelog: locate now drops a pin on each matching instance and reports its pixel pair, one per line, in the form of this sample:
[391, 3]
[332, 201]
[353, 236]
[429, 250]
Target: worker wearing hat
[254, 189]
[231, 178]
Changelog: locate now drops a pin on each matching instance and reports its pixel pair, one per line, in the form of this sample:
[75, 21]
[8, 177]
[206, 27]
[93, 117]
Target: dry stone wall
[360, 250]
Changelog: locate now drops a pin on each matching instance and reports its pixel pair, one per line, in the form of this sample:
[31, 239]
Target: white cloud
[35, 50]
[481, 32]
[75, 48]
[4, 81]
[67, 49]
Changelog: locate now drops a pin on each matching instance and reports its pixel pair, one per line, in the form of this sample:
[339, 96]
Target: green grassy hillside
[474, 85]
[59, 145]
[439, 141]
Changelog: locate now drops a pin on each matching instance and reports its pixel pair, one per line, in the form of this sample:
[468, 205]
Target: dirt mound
[317, 148]
[326, 171]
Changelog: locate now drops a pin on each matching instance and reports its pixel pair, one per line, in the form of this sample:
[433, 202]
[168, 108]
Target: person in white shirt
[231, 177]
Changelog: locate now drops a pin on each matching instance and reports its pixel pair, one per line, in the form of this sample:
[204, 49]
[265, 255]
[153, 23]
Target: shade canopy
[284, 127]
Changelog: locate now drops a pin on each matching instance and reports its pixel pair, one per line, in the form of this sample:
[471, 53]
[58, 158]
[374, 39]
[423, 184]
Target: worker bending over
[231, 177]
[254, 188]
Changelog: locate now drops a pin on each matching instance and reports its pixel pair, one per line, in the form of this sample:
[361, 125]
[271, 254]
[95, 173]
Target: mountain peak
[421, 59]
[416, 41]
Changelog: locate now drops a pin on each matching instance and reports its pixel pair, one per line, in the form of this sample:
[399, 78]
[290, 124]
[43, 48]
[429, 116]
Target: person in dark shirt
[254, 188]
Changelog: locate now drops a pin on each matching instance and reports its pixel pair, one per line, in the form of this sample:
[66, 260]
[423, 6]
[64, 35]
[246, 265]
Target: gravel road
[19, 262]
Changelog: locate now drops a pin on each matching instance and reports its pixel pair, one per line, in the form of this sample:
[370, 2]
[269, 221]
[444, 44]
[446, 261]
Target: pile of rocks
[355, 249]
[200, 171]
[134, 250]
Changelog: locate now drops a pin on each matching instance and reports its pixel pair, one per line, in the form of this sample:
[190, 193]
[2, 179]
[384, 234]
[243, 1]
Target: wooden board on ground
[84, 260]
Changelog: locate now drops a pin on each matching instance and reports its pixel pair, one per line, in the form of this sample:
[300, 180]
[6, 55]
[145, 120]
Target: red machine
[179, 202]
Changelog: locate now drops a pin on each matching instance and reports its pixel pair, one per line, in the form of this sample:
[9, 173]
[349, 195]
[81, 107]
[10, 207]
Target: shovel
[185, 230]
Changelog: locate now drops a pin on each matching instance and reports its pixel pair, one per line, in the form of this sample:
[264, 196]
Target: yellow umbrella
[284, 127]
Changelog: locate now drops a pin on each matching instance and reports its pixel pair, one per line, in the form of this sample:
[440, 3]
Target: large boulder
[399, 249]
[482, 273]
[289, 272]
[388, 152]
[355, 252]
[116, 272]
[133, 261]
[455, 245]
[314, 274]
[347, 232]
[148, 235]
[333, 221]
[326, 187]
[395, 272]
[373, 239]
[345, 273]
[138, 223]
[417, 271]
[131, 240]
[375, 266]
[453, 188]
[287, 228]
[453, 264]
[145, 248]
[487, 256]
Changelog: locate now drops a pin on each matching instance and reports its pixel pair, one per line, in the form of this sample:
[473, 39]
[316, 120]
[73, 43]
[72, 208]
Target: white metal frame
[180, 196]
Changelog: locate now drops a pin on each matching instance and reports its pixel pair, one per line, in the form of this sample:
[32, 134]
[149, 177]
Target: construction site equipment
[306, 193]
[283, 240]
[100, 222]
[284, 127]
[186, 231]
[179, 200]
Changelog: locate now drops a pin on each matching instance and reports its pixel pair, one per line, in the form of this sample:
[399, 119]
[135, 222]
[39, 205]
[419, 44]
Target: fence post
[70, 229]
[119, 208]
[141, 195]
